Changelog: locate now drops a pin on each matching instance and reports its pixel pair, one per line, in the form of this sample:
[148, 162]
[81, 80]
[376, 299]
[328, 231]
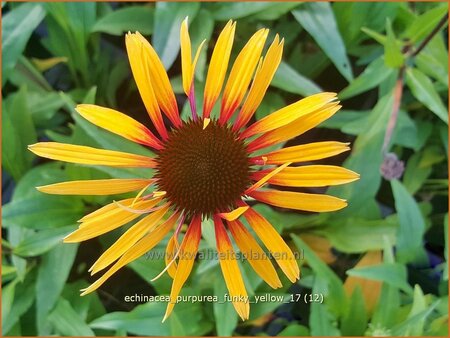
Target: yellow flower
[205, 167]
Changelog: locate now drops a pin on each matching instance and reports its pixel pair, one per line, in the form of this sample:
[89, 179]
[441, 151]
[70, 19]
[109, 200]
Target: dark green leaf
[133, 18]
[52, 275]
[372, 76]
[66, 320]
[17, 26]
[168, 18]
[319, 21]
[290, 80]
[41, 241]
[354, 322]
[412, 225]
[425, 23]
[424, 91]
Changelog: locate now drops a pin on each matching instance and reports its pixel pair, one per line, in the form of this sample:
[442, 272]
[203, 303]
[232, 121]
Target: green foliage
[389, 63]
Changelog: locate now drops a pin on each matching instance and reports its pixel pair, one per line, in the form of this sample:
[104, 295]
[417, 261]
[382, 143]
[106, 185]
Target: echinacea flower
[205, 167]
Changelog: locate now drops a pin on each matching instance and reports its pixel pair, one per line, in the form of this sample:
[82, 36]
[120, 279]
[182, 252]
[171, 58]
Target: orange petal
[298, 127]
[299, 201]
[289, 114]
[187, 66]
[370, 288]
[189, 248]
[230, 271]
[254, 254]
[128, 239]
[261, 81]
[267, 175]
[241, 74]
[95, 187]
[139, 62]
[235, 214]
[309, 176]
[218, 67]
[146, 243]
[119, 124]
[306, 152]
[276, 245]
[171, 250]
[161, 83]
[87, 155]
[108, 218]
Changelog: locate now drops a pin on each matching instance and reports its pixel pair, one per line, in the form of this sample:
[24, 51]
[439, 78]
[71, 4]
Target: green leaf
[412, 225]
[66, 320]
[354, 322]
[403, 328]
[425, 23]
[166, 37]
[366, 159]
[372, 76]
[225, 316]
[419, 305]
[319, 21]
[52, 275]
[423, 90]
[42, 241]
[415, 175]
[24, 295]
[336, 299]
[42, 212]
[294, 330]
[391, 273]
[321, 319]
[17, 26]
[393, 56]
[25, 73]
[19, 133]
[237, 10]
[357, 235]
[133, 18]
[288, 79]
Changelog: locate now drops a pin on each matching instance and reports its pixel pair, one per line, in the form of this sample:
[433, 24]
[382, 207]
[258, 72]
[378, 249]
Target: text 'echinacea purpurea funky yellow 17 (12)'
[205, 167]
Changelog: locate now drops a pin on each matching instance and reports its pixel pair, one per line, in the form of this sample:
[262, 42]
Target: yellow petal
[266, 176]
[310, 176]
[241, 74]
[108, 218]
[146, 243]
[235, 214]
[189, 248]
[218, 67]
[276, 245]
[254, 254]
[230, 271]
[298, 127]
[161, 83]
[371, 289]
[87, 155]
[299, 200]
[187, 66]
[128, 239]
[289, 114]
[261, 81]
[171, 250]
[139, 60]
[119, 124]
[306, 152]
[95, 187]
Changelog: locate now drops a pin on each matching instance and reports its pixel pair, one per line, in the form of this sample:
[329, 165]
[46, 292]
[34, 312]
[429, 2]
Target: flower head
[205, 167]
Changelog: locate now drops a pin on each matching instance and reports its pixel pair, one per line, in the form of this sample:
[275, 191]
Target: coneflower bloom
[206, 166]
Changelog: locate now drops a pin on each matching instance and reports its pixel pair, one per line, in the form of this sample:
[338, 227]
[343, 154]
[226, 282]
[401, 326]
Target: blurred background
[376, 268]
